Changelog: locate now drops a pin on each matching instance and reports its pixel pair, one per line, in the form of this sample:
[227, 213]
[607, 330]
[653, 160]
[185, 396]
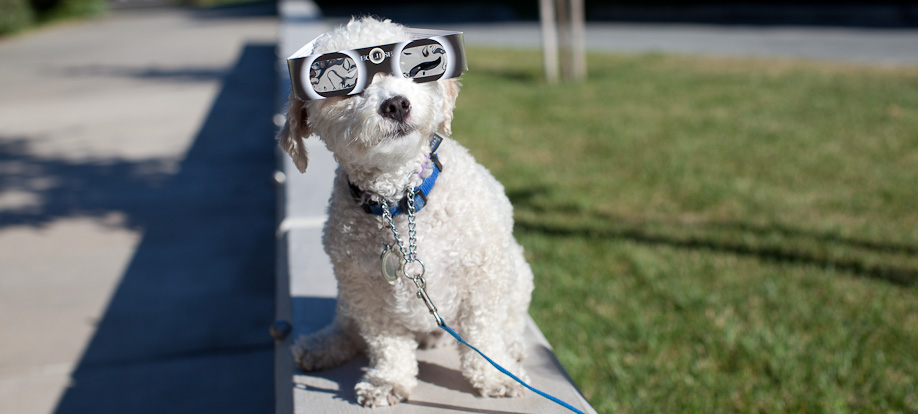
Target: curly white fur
[475, 270]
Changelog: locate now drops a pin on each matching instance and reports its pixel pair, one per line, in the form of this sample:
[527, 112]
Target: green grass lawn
[713, 235]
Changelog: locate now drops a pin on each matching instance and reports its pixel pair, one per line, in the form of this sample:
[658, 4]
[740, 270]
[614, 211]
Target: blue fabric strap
[507, 373]
[420, 192]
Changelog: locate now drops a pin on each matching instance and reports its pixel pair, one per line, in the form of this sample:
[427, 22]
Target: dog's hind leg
[481, 328]
[328, 347]
[518, 305]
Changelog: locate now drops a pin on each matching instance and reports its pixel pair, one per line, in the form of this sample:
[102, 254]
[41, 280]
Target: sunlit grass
[713, 235]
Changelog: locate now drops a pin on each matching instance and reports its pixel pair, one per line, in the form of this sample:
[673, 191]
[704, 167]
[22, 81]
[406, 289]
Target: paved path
[136, 214]
[492, 25]
[136, 222]
[860, 45]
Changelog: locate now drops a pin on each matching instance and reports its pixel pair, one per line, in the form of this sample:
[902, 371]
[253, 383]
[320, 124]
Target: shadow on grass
[512, 75]
[867, 258]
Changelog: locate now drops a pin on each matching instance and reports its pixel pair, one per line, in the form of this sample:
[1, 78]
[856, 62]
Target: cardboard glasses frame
[431, 55]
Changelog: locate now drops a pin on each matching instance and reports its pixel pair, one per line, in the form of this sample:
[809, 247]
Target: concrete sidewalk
[855, 45]
[496, 25]
[136, 214]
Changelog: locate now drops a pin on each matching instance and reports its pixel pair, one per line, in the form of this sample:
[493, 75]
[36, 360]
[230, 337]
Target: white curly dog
[475, 270]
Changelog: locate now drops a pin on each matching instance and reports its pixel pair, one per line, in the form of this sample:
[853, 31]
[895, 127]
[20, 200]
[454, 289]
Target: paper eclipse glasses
[430, 55]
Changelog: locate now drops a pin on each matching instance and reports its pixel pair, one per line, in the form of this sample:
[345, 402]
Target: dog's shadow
[441, 385]
[435, 371]
[339, 382]
[309, 315]
[444, 377]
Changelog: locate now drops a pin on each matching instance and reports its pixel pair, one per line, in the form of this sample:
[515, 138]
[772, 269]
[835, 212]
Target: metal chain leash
[410, 254]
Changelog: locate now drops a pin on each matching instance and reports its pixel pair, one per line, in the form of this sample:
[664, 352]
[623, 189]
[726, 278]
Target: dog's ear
[290, 137]
[450, 90]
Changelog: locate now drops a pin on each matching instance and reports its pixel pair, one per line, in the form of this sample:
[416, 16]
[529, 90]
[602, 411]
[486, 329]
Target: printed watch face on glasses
[432, 55]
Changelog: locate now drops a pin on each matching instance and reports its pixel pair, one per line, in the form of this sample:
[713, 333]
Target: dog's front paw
[309, 360]
[325, 349]
[501, 389]
[372, 395]
[491, 382]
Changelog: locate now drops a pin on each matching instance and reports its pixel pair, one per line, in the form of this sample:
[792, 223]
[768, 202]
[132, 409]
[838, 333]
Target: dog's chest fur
[460, 213]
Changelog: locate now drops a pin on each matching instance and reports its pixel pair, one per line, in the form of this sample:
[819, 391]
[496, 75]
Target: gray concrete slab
[136, 214]
[859, 45]
[781, 30]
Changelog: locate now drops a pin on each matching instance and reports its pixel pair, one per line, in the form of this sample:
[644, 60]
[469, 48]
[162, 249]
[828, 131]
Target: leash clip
[422, 295]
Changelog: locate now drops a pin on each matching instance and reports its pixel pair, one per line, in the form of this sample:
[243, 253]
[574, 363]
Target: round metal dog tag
[391, 263]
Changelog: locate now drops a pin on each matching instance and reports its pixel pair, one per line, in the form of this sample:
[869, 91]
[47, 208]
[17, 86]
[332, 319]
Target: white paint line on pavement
[300, 223]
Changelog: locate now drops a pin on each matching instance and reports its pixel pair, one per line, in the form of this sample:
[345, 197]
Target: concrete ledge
[306, 291]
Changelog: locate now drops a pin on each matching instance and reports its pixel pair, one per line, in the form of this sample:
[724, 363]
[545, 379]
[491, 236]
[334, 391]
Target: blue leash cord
[502, 369]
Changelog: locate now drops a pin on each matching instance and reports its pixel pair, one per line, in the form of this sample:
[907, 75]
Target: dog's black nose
[396, 108]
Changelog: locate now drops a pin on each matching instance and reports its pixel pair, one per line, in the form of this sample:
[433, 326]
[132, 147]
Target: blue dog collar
[420, 192]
